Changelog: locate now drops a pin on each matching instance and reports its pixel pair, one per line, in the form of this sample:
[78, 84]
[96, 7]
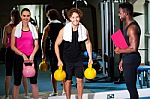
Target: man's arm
[89, 48]
[57, 43]
[43, 42]
[133, 41]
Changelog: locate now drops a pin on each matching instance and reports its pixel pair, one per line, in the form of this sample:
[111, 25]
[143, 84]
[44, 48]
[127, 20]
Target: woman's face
[25, 16]
[75, 18]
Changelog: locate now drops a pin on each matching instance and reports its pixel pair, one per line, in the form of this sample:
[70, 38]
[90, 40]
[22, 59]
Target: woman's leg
[15, 92]
[25, 85]
[35, 91]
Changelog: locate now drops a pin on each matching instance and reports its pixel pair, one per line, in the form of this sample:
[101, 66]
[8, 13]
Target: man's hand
[60, 63]
[120, 66]
[117, 50]
[90, 61]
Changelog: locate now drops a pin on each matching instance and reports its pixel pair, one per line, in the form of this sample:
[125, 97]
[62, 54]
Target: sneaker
[53, 94]
[5, 97]
[26, 97]
[63, 93]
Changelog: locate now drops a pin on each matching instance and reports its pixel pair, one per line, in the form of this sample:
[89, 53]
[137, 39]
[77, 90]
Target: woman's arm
[13, 47]
[4, 40]
[36, 47]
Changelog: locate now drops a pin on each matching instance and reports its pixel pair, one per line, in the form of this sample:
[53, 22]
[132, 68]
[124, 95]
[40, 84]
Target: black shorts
[74, 69]
[18, 67]
[9, 61]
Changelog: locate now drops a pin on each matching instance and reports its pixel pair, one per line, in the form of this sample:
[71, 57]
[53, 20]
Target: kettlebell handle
[60, 67]
[43, 59]
[28, 61]
[89, 65]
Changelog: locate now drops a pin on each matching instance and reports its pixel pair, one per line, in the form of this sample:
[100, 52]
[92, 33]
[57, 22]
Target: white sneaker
[63, 93]
[26, 97]
[5, 97]
[33, 98]
[53, 94]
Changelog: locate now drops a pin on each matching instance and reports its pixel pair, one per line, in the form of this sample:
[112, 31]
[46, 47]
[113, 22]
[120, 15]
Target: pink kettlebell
[28, 69]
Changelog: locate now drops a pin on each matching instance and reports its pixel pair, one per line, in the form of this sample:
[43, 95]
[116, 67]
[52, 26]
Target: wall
[139, 7]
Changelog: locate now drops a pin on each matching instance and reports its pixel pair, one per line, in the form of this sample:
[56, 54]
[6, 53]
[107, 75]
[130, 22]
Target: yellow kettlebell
[43, 66]
[90, 73]
[59, 74]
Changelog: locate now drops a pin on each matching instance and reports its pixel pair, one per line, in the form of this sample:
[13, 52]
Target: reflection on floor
[45, 87]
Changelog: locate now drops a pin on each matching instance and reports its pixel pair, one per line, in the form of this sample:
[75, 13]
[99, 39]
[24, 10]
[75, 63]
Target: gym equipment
[28, 68]
[90, 73]
[144, 70]
[43, 66]
[59, 74]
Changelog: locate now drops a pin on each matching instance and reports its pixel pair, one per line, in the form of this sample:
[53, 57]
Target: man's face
[122, 14]
[75, 19]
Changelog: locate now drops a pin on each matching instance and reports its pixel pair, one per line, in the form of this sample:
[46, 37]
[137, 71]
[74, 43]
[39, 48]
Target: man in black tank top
[72, 36]
[50, 34]
[131, 58]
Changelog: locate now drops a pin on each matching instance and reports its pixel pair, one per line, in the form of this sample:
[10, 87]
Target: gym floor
[45, 86]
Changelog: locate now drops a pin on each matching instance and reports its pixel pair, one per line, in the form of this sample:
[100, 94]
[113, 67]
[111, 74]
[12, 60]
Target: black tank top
[134, 56]
[72, 50]
[52, 35]
[125, 32]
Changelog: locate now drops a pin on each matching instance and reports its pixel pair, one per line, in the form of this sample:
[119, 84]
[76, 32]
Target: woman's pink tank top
[25, 43]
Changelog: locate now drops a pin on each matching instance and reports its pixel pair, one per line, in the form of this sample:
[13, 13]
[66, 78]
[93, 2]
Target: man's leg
[54, 83]
[130, 75]
[68, 89]
[79, 87]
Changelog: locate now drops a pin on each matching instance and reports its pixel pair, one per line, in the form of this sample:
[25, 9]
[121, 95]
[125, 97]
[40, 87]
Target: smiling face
[122, 14]
[75, 19]
[25, 16]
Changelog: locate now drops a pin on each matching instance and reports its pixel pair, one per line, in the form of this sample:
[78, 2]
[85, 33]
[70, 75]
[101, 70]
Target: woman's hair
[127, 7]
[64, 12]
[53, 14]
[16, 16]
[25, 9]
[76, 10]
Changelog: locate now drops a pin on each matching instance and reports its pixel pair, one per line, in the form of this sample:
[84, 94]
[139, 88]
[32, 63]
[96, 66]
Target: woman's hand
[25, 57]
[31, 57]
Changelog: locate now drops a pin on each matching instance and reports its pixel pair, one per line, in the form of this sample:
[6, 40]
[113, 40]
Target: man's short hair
[128, 7]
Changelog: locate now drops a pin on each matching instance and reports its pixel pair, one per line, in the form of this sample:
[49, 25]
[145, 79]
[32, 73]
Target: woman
[9, 55]
[24, 42]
